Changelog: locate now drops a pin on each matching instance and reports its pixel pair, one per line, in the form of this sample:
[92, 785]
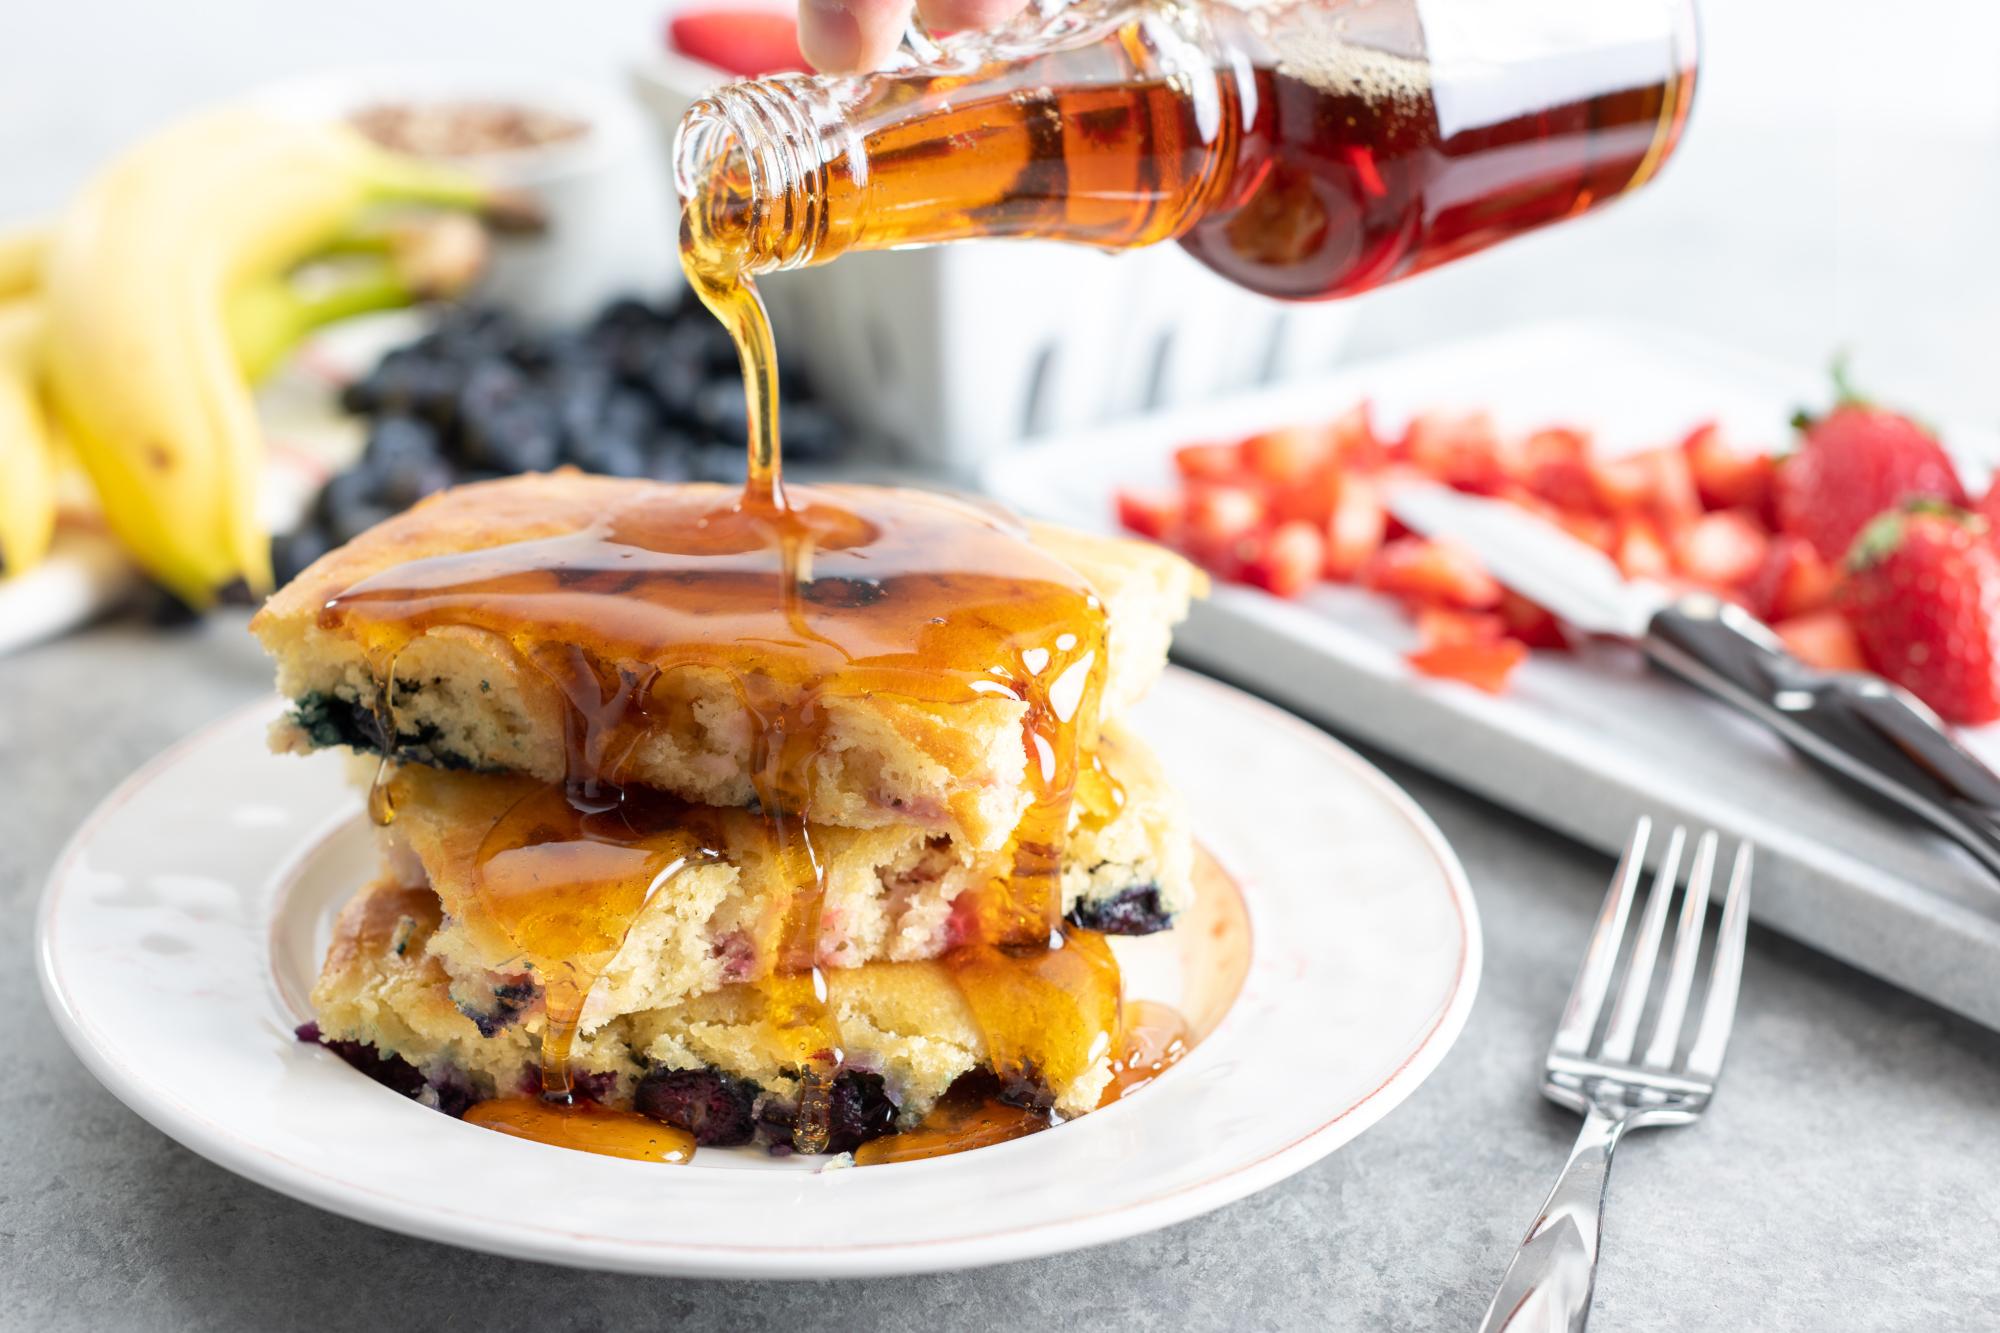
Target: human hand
[840, 36]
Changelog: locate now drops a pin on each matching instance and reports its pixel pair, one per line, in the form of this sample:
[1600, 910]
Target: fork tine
[1622, 1033]
[1718, 1011]
[1687, 948]
[1593, 979]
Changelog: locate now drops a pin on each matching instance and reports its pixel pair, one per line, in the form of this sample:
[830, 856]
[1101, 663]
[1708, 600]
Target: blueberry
[859, 1109]
[811, 433]
[581, 392]
[721, 409]
[610, 453]
[719, 462]
[506, 425]
[1132, 911]
[669, 456]
[679, 369]
[406, 380]
[709, 1104]
[291, 553]
[404, 461]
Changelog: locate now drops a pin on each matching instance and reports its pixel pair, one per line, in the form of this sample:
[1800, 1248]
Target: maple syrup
[585, 1126]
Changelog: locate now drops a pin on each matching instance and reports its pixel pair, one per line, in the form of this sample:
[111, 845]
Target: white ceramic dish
[1584, 743]
[186, 919]
[610, 229]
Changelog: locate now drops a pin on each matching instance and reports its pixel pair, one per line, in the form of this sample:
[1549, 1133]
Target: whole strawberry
[1923, 594]
[1853, 463]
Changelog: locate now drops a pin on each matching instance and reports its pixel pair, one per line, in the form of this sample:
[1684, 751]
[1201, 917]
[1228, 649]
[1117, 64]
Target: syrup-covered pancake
[907, 1029]
[474, 601]
[717, 918]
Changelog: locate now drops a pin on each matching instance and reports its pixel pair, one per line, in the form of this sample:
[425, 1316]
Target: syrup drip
[1154, 1040]
[964, 1119]
[585, 1126]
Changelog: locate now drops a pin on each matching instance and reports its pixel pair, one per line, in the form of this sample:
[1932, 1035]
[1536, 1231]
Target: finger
[840, 36]
[943, 16]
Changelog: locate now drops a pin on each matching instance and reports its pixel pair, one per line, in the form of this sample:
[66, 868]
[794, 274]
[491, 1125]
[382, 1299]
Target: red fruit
[1484, 666]
[1312, 497]
[1459, 449]
[1440, 627]
[1792, 581]
[1154, 514]
[1220, 515]
[1923, 594]
[1288, 456]
[1724, 477]
[1530, 623]
[1357, 528]
[1641, 550]
[1656, 482]
[1555, 465]
[1823, 639]
[1286, 560]
[746, 42]
[1433, 573]
[1355, 443]
[1209, 462]
[1852, 464]
[1722, 549]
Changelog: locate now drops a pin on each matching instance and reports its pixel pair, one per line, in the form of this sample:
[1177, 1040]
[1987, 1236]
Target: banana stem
[271, 316]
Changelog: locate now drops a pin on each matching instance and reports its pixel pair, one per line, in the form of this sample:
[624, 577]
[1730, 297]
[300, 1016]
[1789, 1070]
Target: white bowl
[606, 194]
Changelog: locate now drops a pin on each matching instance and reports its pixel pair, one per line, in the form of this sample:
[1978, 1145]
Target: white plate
[185, 920]
[1587, 742]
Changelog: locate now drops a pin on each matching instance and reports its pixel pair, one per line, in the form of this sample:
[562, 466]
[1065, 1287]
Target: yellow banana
[21, 259]
[136, 281]
[27, 455]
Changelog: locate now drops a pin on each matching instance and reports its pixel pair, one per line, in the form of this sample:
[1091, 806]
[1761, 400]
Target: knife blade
[1859, 727]
[1574, 581]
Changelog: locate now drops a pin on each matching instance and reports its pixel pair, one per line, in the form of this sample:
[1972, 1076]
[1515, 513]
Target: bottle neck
[1110, 126]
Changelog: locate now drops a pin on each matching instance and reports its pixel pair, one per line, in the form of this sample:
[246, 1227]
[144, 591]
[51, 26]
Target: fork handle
[1548, 1286]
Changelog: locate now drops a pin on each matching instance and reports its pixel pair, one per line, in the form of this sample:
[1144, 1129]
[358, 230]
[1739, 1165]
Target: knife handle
[1858, 726]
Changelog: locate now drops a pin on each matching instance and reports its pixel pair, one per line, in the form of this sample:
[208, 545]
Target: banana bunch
[134, 326]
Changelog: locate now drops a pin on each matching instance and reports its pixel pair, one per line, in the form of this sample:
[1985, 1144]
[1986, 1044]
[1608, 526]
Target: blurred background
[1837, 186]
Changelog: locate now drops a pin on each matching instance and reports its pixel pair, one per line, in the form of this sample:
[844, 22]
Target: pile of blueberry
[640, 391]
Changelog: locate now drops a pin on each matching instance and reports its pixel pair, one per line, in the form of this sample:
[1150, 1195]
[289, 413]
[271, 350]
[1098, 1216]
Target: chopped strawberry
[1433, 573]
[1923, 594]
[1592, 530]
[1461, 450]
[1357, 528]
[1312, 498]
[1724, 477]
[1484, 666]
[1792, 581]
[1823, 639]
[1655, 482]
[1555, 465]
[1440, 626]
[1530, 623]
[1154, 514]
[1852, 464]
[1286, 560]
[1219, 515]
[748, 42]
[1642, 551]
[1288, 456]
[1355, 442]
[1722, 550]
[1209, 462]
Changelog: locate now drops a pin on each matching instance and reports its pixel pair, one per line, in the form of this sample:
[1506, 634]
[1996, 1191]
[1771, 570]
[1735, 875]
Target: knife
[1857, 726]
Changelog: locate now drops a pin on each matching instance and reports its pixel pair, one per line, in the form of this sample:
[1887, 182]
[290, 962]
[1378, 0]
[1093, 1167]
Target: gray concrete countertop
[1845, 1179]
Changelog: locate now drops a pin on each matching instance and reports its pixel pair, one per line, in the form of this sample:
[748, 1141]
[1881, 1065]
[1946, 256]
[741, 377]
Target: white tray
[1582, 743]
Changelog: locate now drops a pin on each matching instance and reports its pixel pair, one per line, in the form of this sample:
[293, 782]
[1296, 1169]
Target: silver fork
[1548, 1285]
